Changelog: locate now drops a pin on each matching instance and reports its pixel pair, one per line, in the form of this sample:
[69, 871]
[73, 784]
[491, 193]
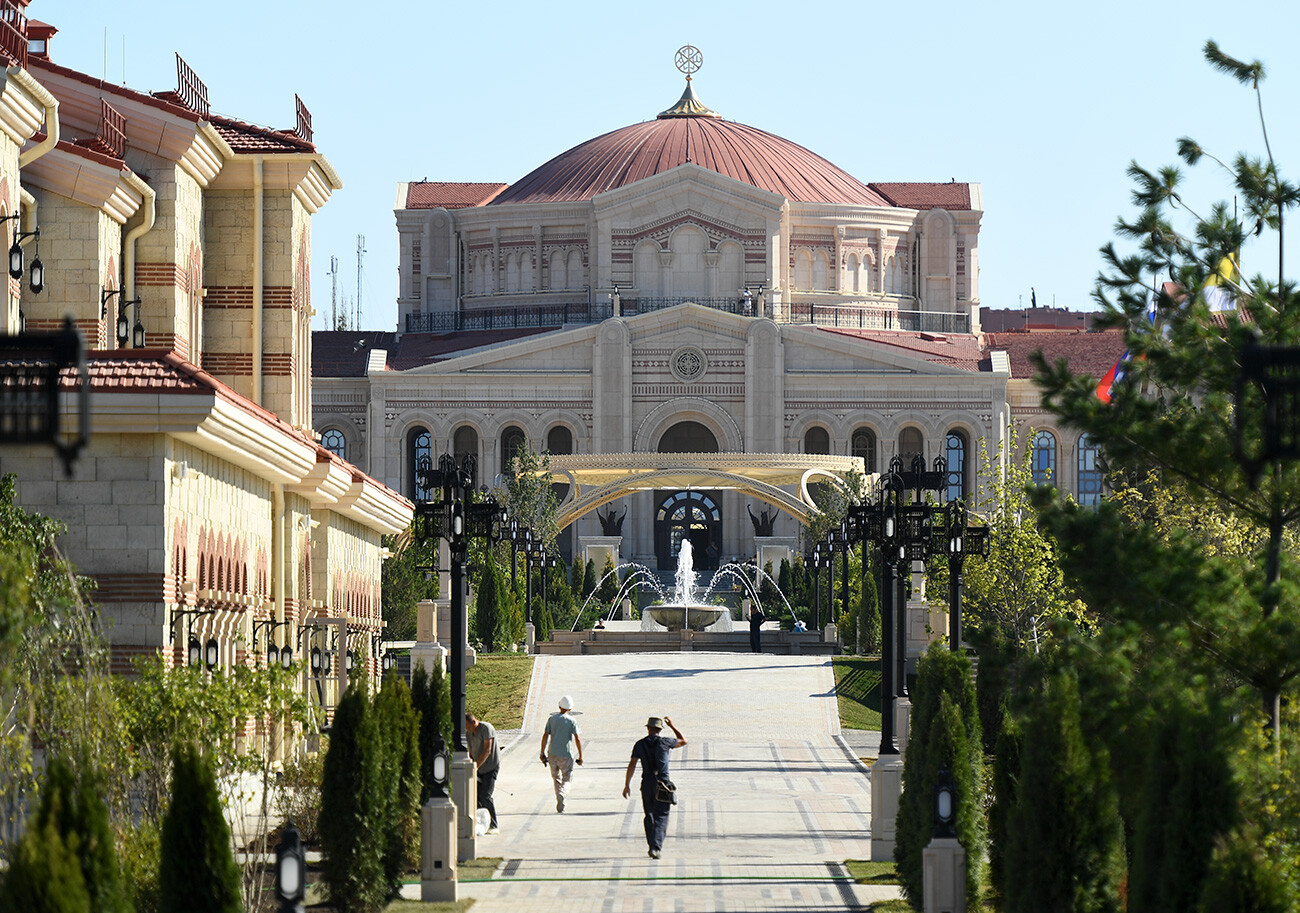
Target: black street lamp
[457, 518]
[528, 576]
[290, 870]
[817, 583]
[831, 538]
[960, 540]
[846, 545]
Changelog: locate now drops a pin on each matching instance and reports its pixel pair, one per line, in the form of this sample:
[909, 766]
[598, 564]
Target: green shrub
[945, 734]
[140, 850]
[589, 578]
[431, 696]
[45, 875]
[1065, 838]
[492, 625]
[1006, 771]
[197, 871]
[298, 796]
[81, 817]
[352, 800]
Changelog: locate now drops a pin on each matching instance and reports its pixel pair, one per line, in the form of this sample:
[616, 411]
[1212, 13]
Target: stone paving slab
[771, 797]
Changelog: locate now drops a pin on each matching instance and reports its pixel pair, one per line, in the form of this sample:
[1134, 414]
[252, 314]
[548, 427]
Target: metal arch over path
[596, 479]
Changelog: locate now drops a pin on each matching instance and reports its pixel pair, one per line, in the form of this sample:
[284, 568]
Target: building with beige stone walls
[685, 283]
[204, 506]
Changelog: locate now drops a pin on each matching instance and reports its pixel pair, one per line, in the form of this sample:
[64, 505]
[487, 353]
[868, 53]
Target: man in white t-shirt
[562, 734]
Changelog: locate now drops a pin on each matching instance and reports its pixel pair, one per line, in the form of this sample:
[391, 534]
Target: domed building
[687, 284]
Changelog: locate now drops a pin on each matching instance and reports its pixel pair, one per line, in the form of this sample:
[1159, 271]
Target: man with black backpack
[657, 790]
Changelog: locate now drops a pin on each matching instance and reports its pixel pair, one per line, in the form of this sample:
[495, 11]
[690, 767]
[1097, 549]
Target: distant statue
[762, 524]
[609, 524]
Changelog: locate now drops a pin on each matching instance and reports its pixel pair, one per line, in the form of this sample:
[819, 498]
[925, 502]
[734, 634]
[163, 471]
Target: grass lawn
[857, 687]
[496, 688]
[866, 872]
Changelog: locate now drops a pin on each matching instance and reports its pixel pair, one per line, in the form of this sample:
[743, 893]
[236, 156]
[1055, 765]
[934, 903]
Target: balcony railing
[13, 32]
[847, 316]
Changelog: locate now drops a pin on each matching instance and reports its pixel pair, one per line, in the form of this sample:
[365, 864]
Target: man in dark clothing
[487, 759]
[652, 752]
[756, 619]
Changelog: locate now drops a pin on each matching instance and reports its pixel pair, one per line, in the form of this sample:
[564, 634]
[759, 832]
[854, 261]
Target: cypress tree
[75, 806]
[197, 872]
[945, 734]
[589, 578]
[1006, 771]
[1065, 839]
[608, 583]
[432, 700]
[491, 618]
[400, 780]
[1188, 804]
[868, 632]
[44, 875]
[351, 802]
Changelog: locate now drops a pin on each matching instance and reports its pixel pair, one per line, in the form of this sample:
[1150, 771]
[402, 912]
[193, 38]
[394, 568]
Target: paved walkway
[771, 797]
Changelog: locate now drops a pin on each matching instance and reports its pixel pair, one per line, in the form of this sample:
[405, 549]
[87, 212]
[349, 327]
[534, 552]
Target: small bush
[298, 796]
[352, 799]
[197, 871]
[140, 850]
[44, 876]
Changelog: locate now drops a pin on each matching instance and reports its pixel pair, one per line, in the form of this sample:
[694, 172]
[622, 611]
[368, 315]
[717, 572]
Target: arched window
[420, 448]
[464, 443]
[333, 441]
[1044, 458]
[910, 446]
[513, 442]
[1089, 472]
[559, 440]
[816, 440]
[688, 437]
[821, 271]
[955, 455]
[864, 445]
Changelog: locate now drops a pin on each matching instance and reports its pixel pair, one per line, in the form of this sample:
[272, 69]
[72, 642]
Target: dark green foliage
[608, 587]
[197, 871]
[399, 729]
[352, 835]
[492, 627]
[1244, 878]
[785, 579]
[140, 850]
[589, 578]
[44, 876]
[79, 814]
[577, 574]
[945, 734]
[867, 616]
[402, 586]
[542, 622]
[767, 591]
[1006, 773]
[1189, 802]
[1065, 848]
[431, 697]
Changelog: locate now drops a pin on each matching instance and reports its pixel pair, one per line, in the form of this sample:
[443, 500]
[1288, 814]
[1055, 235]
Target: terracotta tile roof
[737, 151]
[919, 195]
[252, 139]
[957, 350]
[1088, 353]
[450, 194]
[345, 353]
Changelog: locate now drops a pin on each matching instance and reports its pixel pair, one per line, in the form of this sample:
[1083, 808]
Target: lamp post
[528, 576]
[846, 545]
[514, 554]
[961, 540]
[817, 583]
[290, 870]
[831, 539]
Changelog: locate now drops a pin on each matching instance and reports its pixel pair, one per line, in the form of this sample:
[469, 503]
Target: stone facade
[204, 506]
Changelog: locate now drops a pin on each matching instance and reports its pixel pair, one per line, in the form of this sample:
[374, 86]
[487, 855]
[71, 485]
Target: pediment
[689, 188]
[564, 351]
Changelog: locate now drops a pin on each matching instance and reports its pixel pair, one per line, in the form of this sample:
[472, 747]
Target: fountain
[684, 611]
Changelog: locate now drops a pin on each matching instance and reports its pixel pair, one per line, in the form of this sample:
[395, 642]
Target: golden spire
[689, 59]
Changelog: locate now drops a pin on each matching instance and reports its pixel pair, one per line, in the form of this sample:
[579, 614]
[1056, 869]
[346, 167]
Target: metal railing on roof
[845, 316]
[13, 32]
[193, 93]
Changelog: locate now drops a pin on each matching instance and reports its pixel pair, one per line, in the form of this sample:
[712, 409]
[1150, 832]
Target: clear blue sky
[1043, 106]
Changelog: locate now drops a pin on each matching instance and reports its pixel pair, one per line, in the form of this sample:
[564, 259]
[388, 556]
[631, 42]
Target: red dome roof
[633, 153]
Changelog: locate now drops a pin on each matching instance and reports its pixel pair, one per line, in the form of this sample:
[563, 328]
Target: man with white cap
[562, 734]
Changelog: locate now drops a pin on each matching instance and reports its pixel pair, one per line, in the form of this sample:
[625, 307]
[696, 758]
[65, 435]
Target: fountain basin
[676, 616]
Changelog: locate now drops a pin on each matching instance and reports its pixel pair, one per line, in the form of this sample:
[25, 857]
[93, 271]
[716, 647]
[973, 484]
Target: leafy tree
[1065, 846]
[945, 735]
[352, 801]
[531, 497]
[197, 872]
[1176, 411]
[403, 585]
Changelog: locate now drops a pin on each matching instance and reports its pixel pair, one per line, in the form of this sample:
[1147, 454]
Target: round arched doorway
[693, 515]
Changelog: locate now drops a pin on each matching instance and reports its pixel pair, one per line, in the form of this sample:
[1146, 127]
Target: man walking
[487, 761]
[562, 734]
[652, 752]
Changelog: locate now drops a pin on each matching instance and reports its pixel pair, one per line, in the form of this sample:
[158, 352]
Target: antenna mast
[361, 249]
[334, 293]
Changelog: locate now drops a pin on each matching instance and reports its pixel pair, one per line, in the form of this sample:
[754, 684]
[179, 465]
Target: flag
[1221, 286]
[1119, 370]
